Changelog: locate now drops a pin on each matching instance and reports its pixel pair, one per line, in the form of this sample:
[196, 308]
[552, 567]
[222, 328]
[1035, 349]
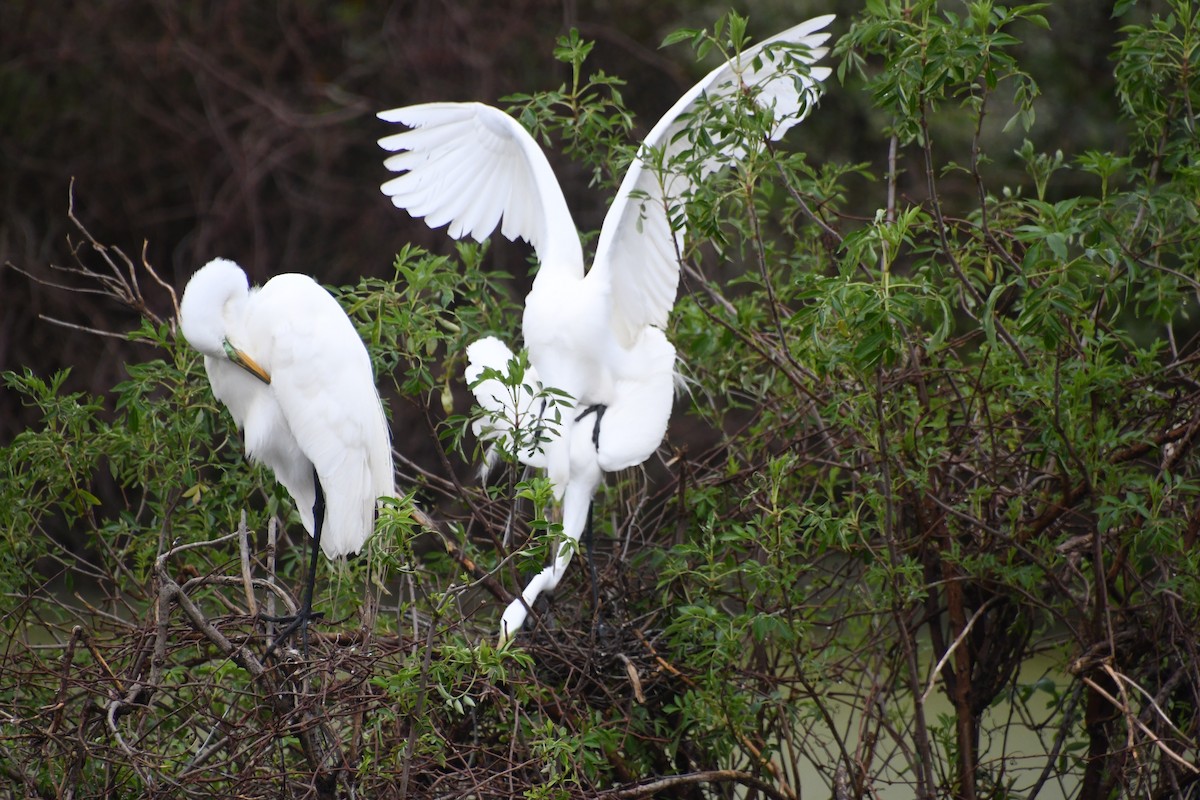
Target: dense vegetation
[925, 524]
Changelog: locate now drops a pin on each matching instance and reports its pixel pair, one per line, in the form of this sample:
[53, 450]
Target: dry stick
[91, 646]
[1130, 716]
[953, 646]
[1125, 706]
[125, 289]
[416, 617]
[168, 287]
[1123, 678]
[318, 742]
[83, 328]
[314, 753]
[710, 776]
[230, 580]
[238, 653]
[115, 705]
[66, 787]
[272, 534]
[634, 680]
[52, 285]
[512, 742]
[207, 751]
[111, 717]
[244, 550]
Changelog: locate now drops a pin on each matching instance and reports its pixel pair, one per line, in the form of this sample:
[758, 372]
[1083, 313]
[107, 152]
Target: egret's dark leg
[304, 614]
[598, 410]
[586, 538]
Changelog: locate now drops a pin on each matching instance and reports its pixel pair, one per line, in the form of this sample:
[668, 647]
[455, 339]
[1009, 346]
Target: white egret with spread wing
[288, 363]
[595, 336]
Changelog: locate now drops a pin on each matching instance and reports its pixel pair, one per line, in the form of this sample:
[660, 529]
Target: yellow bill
[246, 362]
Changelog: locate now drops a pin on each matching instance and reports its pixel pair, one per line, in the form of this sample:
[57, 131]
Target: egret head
[212, 298]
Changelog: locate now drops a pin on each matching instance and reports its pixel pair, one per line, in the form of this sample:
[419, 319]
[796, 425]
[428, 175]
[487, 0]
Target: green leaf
[680, 35]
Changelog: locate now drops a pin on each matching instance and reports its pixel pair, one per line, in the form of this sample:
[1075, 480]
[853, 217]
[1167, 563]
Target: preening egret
[597, 336]
[288, 363]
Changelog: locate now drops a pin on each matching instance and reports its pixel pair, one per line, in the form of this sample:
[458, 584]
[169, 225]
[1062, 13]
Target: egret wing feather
[470, 165]
[638, 249]
[321, 378]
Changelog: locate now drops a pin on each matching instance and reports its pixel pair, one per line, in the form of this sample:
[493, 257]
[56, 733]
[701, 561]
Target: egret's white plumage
[596, 336]
[320, 412]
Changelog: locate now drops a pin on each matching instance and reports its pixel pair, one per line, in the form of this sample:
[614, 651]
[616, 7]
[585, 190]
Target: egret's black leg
[304, 615]
[586, 538]
[598, 410]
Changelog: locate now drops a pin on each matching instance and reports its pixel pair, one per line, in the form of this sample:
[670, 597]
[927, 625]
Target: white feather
[636, 253]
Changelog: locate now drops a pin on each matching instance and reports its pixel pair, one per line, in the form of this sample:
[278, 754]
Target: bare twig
[244, 552]
[652, 787]
[962, 635]
[1132, 718]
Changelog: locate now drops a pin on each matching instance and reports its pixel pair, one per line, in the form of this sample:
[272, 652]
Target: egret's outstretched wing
[473, 166]
[636, 251]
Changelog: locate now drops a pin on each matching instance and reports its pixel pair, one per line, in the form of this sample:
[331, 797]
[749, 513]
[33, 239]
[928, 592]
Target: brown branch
[118, 283]
[317, 738]
[656, 785]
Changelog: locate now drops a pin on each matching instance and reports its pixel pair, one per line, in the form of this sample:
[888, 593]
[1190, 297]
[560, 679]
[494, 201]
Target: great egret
[598, 336]
[288, 363]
